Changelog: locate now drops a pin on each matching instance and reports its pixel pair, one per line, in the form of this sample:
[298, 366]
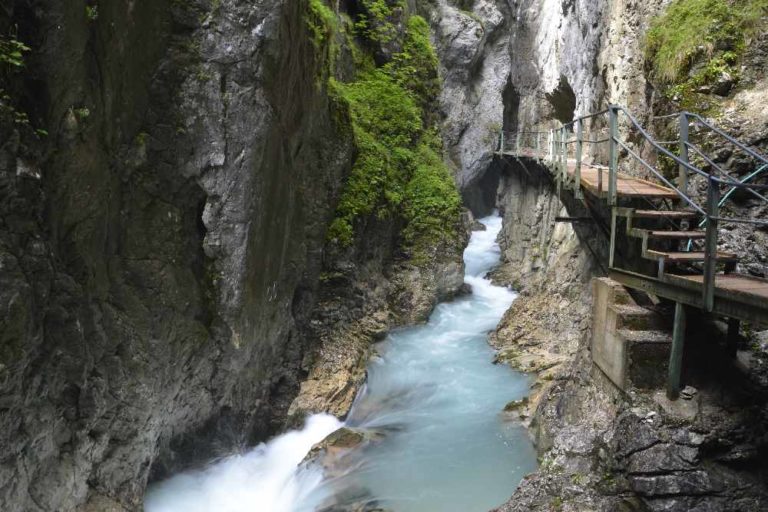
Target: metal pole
[538, 146]
[501, 142]
[564, 155]
[579, 150]
[676, 354]
[682, 170]
[613, 164]
[551, 155]
[733, 336]
[710, 250]
[613, 237]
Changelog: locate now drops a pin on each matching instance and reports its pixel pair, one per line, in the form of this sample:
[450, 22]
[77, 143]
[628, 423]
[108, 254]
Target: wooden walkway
[595, 180]
[732, 284]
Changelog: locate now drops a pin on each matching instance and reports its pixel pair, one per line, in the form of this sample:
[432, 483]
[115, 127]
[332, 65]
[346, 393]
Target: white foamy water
[266, 479]
[435, 396]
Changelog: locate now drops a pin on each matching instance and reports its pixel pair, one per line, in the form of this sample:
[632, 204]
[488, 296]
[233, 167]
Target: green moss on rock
[697, 44]
[399, 171]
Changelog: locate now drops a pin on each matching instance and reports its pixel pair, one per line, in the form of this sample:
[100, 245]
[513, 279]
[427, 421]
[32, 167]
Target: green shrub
[12, 52]
[432, 204]
[386, 123]
[415, 68]
[375, 22]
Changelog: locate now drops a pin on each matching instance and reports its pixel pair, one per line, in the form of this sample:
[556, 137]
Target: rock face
[473, 46]
[162, 242]
[159, 250]
[600, 448]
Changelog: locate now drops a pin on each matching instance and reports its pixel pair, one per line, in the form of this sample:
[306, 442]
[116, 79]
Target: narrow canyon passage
[431, 412]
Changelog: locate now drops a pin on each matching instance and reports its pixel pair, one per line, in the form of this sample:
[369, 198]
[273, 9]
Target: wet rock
[690, 483]
[663, 458]
[688, 392]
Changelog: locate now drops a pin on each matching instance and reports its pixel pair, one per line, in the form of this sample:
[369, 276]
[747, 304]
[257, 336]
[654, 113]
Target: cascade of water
[433, 404]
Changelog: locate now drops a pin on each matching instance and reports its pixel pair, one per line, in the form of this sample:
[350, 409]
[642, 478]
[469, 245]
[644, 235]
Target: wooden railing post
[682, 170]
[613, 163]
[501, 142]
[564, 155]
[517, 143]
[579, 150]
[710, 249]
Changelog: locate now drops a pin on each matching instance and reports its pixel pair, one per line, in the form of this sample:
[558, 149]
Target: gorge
[215, 213]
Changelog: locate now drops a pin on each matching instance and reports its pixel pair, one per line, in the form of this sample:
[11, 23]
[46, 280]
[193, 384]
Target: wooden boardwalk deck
[747, 287]
[626, 186]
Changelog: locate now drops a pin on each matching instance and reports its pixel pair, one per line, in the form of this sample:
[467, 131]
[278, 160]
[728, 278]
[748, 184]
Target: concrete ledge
[628, 344]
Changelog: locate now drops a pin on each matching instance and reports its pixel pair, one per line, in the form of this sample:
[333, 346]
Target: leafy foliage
[11, 61]
[432, 203]
[415, 68]
[92, 12]
[386, 122]
[12, 52]
[375, 22]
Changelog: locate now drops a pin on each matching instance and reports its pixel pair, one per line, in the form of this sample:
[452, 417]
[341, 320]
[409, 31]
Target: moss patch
[399, 172]
[695, 44]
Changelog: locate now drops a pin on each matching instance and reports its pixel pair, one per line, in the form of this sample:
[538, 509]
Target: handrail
[685, 198]
[725, 199]
[731, 181]
[556, 151]
[587, 116]
[730, 139]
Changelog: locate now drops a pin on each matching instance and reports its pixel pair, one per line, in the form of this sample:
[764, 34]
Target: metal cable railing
[556, 146]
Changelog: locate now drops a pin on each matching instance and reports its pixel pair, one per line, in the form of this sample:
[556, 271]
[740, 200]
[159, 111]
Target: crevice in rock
[563, 101]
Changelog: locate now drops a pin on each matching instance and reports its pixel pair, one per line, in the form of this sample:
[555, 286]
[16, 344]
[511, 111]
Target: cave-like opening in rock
[511, 99]
[480, 194]
[563, 101]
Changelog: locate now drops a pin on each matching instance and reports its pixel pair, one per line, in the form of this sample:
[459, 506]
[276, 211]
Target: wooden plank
[626, 186]
[677, 234]
[735, 283]
[687, 257]
[664, 214]
[748, 308]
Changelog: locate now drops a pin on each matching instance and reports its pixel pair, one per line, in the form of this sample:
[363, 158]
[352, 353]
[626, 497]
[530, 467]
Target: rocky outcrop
[359, 303]
[472, 41]
[601, 448]
[160, 246]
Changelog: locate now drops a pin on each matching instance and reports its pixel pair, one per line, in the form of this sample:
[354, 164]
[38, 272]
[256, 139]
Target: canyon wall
[168, 173]
[601, 448]
[160, 243]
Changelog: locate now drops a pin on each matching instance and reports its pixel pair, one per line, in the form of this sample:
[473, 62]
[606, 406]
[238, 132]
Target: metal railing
[556, 146]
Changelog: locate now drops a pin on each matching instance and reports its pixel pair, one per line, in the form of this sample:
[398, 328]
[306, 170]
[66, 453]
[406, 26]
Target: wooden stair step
[677, 234]
[664, 214]
[688, 257]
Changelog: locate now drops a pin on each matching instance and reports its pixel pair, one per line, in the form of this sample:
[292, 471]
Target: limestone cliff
[168, 173]
[600, 448]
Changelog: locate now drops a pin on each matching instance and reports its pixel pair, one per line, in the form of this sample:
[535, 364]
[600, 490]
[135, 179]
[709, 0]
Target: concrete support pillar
[676, 355]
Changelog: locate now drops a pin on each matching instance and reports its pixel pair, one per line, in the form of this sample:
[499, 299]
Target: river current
[433, 405]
